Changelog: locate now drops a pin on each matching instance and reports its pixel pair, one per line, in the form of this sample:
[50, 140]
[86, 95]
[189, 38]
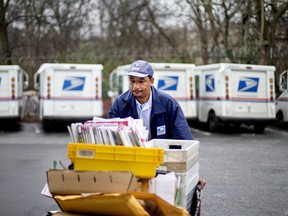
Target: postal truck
[235, 94]
[68, 92]
[13, 80]
[173, 78]
[282, 100]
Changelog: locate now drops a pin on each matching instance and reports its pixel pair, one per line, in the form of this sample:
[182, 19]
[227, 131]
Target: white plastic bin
[187, 177]
[179, 155]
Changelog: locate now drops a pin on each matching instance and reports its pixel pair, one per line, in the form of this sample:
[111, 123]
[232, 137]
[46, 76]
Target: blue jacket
[167, 116]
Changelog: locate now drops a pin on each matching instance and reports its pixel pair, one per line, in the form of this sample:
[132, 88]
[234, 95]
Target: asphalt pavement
[246, 173]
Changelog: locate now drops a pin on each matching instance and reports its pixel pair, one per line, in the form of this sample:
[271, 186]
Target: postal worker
[162, 115]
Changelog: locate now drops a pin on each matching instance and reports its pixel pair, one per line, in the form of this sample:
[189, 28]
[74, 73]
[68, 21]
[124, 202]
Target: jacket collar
[130, 102]
[157, 105]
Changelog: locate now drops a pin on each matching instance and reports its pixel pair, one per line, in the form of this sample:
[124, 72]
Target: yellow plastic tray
[141, 161]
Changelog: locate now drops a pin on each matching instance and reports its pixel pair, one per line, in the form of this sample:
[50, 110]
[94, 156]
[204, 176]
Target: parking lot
[246, 173]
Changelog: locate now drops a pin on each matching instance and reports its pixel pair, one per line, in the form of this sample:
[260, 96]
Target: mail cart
[159, 157]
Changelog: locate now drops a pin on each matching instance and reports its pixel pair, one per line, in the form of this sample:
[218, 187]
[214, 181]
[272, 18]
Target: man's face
[141, 87]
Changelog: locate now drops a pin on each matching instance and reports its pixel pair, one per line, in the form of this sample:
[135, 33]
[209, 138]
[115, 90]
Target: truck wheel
[280, 119]
[212, 122]
[46, 126]
[13, 126]
[259, 128]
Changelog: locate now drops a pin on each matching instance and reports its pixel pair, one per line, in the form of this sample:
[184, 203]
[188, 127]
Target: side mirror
[283, 81]
[110, 94]
[25, 80]
[25, 84]
[36, 82]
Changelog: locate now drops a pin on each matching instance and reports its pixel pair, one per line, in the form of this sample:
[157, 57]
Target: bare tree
[213, 20]
[268, 16]
[67, 19]
[199, 18]
[139, 27]
[4, 31]
[244, 31]
[214, 31]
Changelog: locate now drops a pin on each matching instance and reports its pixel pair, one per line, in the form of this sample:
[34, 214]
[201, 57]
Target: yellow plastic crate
[141, 161]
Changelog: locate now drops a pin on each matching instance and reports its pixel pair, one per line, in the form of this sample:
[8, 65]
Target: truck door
[281, 104]
[5, 92]
[176, 83]
[248, 93]
[73, 92]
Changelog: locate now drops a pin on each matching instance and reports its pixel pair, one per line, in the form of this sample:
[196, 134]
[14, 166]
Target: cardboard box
[132, 204]
[102, 204]
[104, 193]
[67, 182]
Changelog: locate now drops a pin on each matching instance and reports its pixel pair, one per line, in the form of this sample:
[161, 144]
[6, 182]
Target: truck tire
[280, 119]
[212, 122]
[259, 128]
[46, 126]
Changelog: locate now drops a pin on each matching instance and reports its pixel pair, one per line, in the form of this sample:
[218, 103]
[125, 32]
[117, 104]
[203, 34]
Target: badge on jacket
[161, 130]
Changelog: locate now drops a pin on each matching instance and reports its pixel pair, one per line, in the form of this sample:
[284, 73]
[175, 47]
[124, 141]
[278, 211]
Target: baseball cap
[140, 68]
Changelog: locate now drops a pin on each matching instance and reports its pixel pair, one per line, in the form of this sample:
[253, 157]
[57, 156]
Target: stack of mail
[116, 131]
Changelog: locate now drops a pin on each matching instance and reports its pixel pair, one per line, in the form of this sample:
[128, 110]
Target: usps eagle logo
[161, 130]
[168, 83]
[73, 83]
[248, 84]
[136, 66]
[209, 83]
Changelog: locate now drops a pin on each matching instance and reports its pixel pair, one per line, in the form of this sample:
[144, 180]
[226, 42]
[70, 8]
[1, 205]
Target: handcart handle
[202, 183]
[196, 206]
